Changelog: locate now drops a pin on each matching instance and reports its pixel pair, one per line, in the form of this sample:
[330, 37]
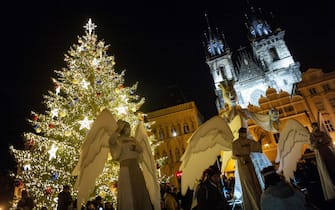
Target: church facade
[267, 62]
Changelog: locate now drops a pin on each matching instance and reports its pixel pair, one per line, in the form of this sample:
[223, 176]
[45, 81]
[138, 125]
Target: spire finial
[90, 26]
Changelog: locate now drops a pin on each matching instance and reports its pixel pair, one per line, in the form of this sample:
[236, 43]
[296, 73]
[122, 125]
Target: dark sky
[158, 44]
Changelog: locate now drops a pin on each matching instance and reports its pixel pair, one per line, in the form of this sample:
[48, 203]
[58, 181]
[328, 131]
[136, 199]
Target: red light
[179, 174]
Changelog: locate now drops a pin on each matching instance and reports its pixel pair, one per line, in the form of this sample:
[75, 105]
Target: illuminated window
[186, 128]
[173, 131]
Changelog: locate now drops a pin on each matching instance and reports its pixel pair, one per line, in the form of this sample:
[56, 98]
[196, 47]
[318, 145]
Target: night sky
[158, 44]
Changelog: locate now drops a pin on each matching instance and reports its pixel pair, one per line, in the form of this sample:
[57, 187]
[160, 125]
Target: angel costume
[132, 191]
[251, 188]
[138, 186]
[325, 158]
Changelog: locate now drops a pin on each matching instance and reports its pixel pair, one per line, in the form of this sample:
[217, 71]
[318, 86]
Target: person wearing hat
[209, 195]
[322, 142]
[241, 149]
[324, 150]
[279, 194]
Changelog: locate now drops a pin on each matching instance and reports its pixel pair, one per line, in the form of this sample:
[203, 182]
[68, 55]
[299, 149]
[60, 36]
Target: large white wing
[293, 136]
[202, 150]
[148, 166]
[93, 155]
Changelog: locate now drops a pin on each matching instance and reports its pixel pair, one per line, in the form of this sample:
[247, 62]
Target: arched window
[274, 54]
[186, 128]
[177, 153]
[161, 134]
[173, 131]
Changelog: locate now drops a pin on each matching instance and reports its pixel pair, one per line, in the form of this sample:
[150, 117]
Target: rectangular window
[288, 108]
[312, 91]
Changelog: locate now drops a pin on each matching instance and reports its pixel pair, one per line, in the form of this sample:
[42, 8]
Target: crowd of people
[210, 194]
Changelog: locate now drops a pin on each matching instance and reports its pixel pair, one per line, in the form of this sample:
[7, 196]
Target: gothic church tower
[268, 62]
[219, 59]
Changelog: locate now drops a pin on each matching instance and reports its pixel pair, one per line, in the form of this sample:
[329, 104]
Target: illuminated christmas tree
[87, 85]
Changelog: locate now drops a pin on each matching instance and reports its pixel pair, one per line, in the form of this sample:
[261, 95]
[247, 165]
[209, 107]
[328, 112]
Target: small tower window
[274, 54]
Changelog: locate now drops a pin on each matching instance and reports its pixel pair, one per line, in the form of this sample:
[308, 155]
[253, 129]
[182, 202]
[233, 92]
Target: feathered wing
[93, 155]
[264, 121]
[202, 150]
[148, 166]
[293, 136]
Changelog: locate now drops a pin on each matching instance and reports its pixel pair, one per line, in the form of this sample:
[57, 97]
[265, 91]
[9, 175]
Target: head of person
[98, 199]
[24, 194]
[125, 127]
[242, 132]
[270, 175]
[214, 174]
[315, 126]
[108, 205]
[66, 188]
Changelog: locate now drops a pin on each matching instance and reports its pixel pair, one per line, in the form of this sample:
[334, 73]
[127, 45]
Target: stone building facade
[172, 127]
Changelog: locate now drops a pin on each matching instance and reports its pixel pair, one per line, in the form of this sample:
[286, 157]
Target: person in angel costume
[251, 188]
[322, 143]
[132, 191]
[293, 137]
[138, 186]
[216, 136]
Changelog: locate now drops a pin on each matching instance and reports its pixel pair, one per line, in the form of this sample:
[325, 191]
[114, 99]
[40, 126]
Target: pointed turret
[218, 58]
[256, 23]
[214, 42]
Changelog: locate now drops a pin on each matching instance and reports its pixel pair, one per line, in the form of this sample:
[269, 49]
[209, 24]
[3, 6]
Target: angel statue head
[124, 127]
[315, 126]
[242, 132]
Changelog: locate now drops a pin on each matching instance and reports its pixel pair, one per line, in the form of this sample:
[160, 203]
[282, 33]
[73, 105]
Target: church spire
[214, 41]
[256, 23]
